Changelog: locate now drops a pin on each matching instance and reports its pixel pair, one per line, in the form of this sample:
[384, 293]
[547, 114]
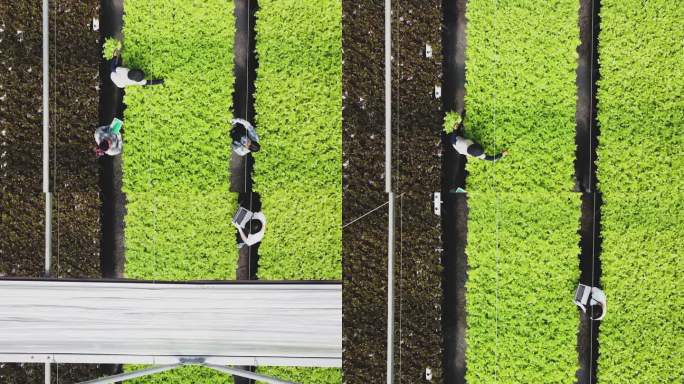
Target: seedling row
[641, 177]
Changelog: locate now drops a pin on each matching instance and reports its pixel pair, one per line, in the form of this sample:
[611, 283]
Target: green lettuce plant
[641, 178]
[523, 216]
[111, 48]
[451, 121]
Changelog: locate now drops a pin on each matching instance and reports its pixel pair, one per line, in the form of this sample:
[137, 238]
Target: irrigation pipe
[46, 138]
[390, 193]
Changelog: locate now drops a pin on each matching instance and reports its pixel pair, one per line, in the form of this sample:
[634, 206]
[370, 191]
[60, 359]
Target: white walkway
[226, 324]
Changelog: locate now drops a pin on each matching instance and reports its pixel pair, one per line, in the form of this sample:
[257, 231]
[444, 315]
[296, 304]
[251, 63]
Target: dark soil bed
[417, 171]
[21, 198]
[74, 100]
[364, 242]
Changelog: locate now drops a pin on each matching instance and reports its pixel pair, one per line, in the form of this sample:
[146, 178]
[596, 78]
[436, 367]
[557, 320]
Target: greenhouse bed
[641, 173]
[417, 127]
[298, 104]
[364, 245]
[523, 216]
[298, 116]
[177, 146]
[74, 170]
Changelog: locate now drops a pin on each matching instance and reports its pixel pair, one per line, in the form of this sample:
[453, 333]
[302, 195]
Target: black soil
[21, 198]
[241, 167]
[74, 96]
[417, 152]
[455, 207]
[364, 242]
[586, 140]
[113, 208]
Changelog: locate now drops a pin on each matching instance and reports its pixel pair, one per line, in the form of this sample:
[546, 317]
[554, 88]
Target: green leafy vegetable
[523, 216]
[110, 48]
[451, 121]
[641, 176]
[299, 118]
[177, 149]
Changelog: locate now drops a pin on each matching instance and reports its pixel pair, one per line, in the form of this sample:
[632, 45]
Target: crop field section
[523, 216]
[640, 174]
[177, 148]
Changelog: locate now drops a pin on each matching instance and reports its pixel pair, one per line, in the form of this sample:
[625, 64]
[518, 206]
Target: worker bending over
[245, 138]
[470, 148]
[253, 230]
[108, 142]
[123, 77]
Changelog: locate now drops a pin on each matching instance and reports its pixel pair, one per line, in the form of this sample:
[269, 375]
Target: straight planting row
[523, 216]
[641, 177]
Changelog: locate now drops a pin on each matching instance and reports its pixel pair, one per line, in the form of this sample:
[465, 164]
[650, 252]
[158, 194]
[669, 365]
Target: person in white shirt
[470, 148]
[107, 143]
[245, 138]
[252, 232]
[123, 77]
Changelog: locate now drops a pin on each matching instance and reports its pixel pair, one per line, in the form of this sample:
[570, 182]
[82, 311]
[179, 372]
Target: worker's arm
[242, 234]
[497, 157]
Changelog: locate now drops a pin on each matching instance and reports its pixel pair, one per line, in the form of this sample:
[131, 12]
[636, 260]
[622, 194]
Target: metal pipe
[388, 189]
[388, 96]
[390, 292]
[46, 137]
[247, 374]
[48, 233]
[132, 375]
[48, 379]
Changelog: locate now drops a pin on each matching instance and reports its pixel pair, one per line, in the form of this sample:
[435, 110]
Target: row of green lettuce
[175, 154]
[176, 138]
[523, 216]
[641, 177]
[298, 105]
[298, 171]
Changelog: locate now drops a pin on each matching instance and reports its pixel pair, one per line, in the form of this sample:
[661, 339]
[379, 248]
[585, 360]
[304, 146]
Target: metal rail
[390, 193]
[46, 137]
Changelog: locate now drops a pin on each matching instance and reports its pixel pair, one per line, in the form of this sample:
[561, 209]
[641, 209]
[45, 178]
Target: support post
[388, 189]
[48, 373]
[46, 137]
